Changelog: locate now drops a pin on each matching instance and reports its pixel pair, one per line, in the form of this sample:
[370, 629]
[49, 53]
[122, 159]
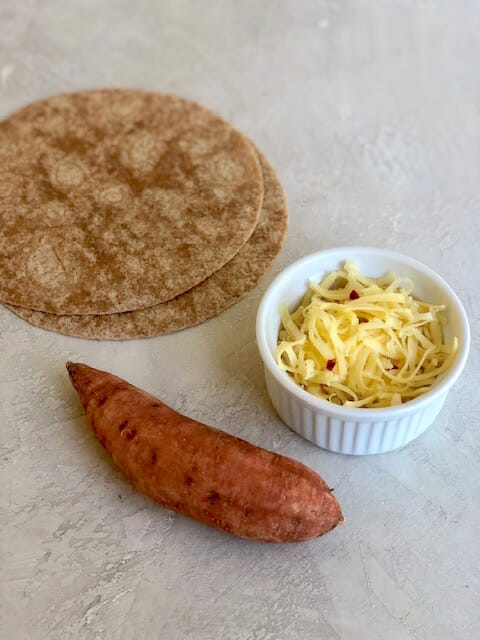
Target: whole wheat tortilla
[218, 292]
[115, 199]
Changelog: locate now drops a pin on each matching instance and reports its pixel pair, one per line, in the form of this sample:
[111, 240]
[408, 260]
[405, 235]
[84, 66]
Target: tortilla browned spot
[114, 200]
[211, 297]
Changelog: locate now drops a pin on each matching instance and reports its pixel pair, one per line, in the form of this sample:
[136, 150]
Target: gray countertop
[370, 113]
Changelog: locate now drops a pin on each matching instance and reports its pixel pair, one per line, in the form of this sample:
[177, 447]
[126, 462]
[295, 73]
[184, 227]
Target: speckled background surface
[370, 113]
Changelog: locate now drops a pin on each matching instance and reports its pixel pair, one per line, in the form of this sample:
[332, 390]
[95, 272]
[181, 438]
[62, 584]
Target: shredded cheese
[363, 342]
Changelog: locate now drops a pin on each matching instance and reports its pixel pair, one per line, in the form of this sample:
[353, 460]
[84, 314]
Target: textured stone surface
[370, 113]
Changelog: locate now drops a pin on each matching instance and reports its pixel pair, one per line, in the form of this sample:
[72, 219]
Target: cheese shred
[363, 342]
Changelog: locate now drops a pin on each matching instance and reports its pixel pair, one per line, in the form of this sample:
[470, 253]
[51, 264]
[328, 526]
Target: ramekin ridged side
[352, 437]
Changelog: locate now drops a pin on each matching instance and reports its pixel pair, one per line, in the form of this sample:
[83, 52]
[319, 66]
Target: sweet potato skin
[201, 471]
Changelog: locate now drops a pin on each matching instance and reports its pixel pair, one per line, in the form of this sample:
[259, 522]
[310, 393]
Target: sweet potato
[201, 471]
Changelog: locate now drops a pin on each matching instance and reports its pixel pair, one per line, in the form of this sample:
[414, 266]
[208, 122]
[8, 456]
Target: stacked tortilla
[128, 214]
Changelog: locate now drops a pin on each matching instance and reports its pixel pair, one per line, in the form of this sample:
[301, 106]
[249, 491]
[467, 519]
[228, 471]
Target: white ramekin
[342, 429]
